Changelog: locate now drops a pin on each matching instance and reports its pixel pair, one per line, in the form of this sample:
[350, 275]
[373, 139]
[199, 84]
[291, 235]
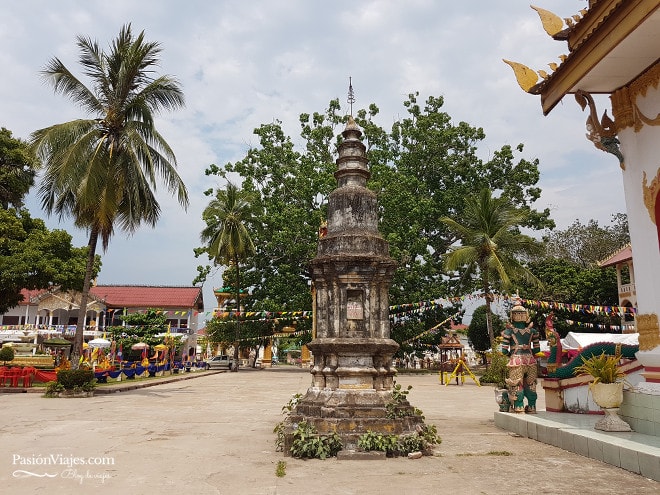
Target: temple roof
[610, 44]
[119, 296]
[622, 255]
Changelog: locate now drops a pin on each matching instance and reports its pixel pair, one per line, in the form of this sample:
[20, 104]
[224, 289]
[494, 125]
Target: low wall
[642, 412]
[36, 361]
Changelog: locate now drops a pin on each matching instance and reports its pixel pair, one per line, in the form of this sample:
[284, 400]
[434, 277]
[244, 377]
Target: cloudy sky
[244, 63]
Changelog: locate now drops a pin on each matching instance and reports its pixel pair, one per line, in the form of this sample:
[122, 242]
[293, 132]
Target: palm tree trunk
[234, 366]
[82, 312]
[489, 314]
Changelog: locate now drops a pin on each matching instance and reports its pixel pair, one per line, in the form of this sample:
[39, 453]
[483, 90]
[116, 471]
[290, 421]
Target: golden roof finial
[552, 23]
[525, 76]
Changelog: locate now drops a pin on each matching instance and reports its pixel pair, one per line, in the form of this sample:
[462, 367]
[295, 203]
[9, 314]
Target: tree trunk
[489, 315]
[234, 366]
[82, 311]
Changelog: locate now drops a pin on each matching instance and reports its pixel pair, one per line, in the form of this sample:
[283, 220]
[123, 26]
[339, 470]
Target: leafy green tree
[569, 271]
[478, 329]
[33, 257]
[228, 238]
[422, 169]
[17, 166]
[491, 246]
[102, 171]
[410, 330]
[423, 172]
[140, 327]
[587, 244]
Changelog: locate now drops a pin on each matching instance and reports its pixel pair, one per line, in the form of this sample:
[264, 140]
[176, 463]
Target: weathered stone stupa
[352, 375]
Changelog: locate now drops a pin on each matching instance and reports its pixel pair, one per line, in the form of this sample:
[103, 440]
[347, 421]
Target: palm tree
[227, 237]
[103, 170]
[491, 245]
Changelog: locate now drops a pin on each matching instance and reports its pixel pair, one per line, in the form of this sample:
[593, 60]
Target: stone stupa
[352, 374]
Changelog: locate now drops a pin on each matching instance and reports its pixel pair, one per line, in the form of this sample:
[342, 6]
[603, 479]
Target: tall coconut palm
[102, 171]
[491, 245]
[228, 239]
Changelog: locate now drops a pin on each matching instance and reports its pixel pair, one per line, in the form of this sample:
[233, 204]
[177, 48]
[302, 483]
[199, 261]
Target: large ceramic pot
[607, 395]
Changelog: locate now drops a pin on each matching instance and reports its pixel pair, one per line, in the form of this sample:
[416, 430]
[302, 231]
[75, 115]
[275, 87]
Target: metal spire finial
[351, 95]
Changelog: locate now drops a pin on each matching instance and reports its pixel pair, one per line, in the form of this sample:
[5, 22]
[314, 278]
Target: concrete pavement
[213, 435]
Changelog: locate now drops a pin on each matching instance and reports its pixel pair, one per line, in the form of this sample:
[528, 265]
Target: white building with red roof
[55, 308]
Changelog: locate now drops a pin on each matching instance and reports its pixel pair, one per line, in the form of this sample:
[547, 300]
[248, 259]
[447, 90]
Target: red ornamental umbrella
[140, 345]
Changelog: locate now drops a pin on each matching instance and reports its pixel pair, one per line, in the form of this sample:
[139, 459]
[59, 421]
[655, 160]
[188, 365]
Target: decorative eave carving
[650, 193]
[624, 101]
[591, 36]
[591, 20]
[68, 301]
[600, 132]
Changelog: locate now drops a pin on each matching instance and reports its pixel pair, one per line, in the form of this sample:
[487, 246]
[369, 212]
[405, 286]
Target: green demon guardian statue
[520, 343]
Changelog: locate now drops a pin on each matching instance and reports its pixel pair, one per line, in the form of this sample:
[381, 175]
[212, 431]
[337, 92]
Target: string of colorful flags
[620, 311]
[433, 330]
[396, 311]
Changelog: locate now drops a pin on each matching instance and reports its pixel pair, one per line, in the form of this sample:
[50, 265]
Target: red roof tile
[120, 296]
[29, 294]
[624, 254]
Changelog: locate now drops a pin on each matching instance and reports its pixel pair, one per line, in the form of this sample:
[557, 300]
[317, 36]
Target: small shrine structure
[352, 372]
[451, 351]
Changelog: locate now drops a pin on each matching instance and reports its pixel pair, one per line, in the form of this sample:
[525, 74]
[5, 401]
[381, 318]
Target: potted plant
[606, 387]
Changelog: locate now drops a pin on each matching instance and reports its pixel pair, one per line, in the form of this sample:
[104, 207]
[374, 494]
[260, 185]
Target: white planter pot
[607, 395]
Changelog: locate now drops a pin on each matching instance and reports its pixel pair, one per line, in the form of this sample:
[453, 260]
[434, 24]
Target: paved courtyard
[213, 435]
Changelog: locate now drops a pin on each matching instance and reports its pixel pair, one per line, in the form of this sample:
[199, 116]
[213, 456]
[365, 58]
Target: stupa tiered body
[352, 375]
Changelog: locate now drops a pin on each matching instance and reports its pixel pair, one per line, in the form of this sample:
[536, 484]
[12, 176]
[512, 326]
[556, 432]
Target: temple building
[622, 262]
[613, 49]
[59, 309]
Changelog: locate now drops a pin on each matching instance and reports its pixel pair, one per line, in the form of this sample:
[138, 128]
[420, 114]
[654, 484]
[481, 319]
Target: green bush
[497, 372]
[53, 389]
[308, 444]
[399, 398]
[393, 445]
[370, 441]
[7, 354]
[280, 431]
[76, 379]
[410, 443]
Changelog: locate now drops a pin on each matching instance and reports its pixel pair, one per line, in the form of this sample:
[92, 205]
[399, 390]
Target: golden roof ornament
[525, 76]
[552, 23]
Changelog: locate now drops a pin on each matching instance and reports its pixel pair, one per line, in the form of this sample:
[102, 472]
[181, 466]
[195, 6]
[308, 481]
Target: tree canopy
[478, 329]
[569, 271]
[17, 170]
[33, 257]
[422, 169]
[587, 244]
